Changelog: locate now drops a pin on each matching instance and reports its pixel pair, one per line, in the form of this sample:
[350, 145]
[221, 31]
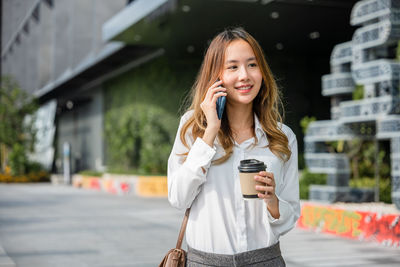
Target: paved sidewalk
[5, 261]
[46, 226]
[302, 248]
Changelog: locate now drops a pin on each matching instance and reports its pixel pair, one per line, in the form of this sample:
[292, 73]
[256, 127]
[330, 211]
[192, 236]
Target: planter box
[144, 186]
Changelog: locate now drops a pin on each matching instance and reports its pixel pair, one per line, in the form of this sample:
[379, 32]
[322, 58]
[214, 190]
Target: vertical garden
[142, 110]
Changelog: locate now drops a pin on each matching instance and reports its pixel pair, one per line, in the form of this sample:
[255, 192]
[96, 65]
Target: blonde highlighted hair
[265, 105]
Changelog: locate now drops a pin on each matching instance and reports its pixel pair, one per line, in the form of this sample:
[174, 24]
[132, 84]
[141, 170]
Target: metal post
[67, 163]
[376, 144]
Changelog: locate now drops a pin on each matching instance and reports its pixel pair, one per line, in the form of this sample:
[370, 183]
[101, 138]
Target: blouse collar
[260, 134]
[258, 128]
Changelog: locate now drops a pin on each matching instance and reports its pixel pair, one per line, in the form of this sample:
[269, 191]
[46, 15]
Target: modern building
[85, 59]
[369, 59]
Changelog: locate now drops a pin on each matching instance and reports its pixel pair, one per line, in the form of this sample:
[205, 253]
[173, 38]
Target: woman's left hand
[269, 195]
[268, 179]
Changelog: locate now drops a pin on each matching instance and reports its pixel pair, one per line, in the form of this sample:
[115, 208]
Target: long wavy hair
[266, 105]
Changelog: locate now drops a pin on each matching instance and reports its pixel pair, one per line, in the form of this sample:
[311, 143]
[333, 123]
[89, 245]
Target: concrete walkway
[5, 261]
[302, 248]
[45, 226]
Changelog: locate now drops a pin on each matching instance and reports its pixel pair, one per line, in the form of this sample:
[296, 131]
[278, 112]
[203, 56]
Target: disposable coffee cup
[249, 168]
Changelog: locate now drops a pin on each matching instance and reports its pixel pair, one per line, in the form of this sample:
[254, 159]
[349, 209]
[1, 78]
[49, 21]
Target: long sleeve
[186, 177]
[288, 193]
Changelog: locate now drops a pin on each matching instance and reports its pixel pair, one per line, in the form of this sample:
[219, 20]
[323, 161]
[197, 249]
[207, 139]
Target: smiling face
[241, 74]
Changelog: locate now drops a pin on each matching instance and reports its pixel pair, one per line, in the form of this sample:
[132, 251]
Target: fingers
[265, 196]
[217, 83]
[214, 89]
[215, 92]
[265, 177]
[268, 188]
[212, 95]
[216, 95]
[208, 105]
[211, 104]
[214, 86]
[264, 173]
[265, 192]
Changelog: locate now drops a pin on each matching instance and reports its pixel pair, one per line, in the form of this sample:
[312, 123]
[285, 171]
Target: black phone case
[221, 106]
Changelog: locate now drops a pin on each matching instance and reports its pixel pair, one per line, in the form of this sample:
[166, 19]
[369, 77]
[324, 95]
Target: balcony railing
[328, 193]
[377, 34]
[341, 54]
[337, 83]
[365, 11]
[376, 71]
[369, 109]
[395, 144]
[395, 165]
[327, 163]
[388, 127]
[332, 130]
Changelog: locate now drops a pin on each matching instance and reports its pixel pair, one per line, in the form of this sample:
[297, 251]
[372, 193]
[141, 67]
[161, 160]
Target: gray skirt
[263, 257]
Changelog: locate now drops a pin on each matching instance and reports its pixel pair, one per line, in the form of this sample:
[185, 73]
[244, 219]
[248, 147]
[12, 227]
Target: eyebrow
[235, 61]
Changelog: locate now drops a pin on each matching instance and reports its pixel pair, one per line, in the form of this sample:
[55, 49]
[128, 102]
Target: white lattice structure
[368, 60]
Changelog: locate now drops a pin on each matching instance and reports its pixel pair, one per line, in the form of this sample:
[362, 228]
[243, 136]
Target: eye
[253, 65]
[232, 67]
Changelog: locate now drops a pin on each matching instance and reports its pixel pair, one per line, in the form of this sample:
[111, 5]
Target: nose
[243, 74]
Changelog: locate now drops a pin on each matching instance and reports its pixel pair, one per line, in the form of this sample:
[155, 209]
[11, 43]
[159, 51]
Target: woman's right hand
[209, 107]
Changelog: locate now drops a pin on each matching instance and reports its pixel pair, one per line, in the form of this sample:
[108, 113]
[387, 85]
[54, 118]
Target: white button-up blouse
[220, 220]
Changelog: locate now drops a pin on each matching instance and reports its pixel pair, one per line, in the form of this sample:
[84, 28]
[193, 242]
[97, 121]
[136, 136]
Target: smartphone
[220, 105]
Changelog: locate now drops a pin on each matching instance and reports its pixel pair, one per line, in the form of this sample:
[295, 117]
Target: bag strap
[183, 229]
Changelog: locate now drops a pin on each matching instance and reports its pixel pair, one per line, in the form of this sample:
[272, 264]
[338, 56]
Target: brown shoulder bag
[176, 257]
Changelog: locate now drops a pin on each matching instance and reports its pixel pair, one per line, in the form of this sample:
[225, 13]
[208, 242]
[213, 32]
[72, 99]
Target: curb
[143, 186]
[5, 261]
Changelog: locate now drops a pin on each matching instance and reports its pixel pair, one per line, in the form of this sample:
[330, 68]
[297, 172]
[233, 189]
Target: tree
[16, 134]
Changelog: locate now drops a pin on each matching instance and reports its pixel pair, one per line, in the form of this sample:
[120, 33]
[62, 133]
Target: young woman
[223, 228]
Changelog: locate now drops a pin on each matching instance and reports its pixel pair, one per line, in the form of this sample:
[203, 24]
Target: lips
[244, 88]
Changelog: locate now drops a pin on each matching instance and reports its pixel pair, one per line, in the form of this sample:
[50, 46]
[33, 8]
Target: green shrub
[307, 178]
[18, 159]
[358, 93]
[17, 134]
[34, 167]
[140, 137]
[32, 177]
[361, 154]
[91, 173]
[115, 170]
[305, 121]
[385, 189]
